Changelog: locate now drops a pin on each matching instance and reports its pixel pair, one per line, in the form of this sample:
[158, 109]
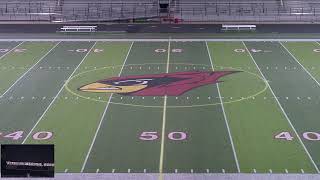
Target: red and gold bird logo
[170, 84]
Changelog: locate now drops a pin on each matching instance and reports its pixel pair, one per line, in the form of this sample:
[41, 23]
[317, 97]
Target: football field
[170, 106]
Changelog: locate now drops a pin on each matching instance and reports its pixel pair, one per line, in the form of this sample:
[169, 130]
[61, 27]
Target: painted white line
[103, 115]
[28, 70]
[300, 64]
[284, 113]
[224, 115]
[166, 40]
[5, 54]
[43, 114]
[164, 120]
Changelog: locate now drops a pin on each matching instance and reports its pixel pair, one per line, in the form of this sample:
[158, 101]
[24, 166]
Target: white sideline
[28, 70]
[43, 114]
[225, 116]
[103, 115]
[284, 113]
[165, 39]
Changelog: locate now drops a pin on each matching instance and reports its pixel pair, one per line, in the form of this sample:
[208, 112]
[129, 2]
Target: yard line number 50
[152, 135]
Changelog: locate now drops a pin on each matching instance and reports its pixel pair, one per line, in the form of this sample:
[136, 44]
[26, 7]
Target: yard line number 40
[311, 136]
[41, 135]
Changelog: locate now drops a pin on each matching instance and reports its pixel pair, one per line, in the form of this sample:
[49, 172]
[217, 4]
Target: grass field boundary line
[29, 69]
[283, 111]
[296, 59]
[5, 54]
[163, 128]
[103, 115]
[165, 40]
[56, 96]
[224, 115]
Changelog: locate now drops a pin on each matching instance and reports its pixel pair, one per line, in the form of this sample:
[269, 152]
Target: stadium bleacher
[184, 10]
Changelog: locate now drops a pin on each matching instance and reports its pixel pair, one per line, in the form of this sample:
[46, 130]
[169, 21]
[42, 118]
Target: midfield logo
[170, 84]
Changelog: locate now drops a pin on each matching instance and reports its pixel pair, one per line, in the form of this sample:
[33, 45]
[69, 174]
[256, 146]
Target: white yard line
[284, 113]
[166, 40]
[164, 119]
[103, 115]
[29, 70]
[224, 115]
[11, 50]
[43, 114]
[300, 64]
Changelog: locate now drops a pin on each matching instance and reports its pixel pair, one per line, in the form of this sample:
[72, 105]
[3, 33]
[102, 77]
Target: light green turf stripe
[255, 122]
[72, 119]
[207, 147]
[14, 64]
[118, 147]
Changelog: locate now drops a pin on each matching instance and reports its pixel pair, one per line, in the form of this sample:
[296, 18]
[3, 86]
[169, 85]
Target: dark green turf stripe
[290, 80]
[15, 64]
[255, 122]
[307, 54]
[7, 47]
[21, 107]
[73, 117]
[118, 147]
[207, 145]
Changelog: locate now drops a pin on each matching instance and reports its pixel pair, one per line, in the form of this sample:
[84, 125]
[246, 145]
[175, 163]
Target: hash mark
[302, 171]
[286, 170]
[270, 170]
[113, 170]
[254, 171]
[66, 170]
[97, 170]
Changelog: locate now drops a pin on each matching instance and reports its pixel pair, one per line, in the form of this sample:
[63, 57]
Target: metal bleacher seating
[233, 11]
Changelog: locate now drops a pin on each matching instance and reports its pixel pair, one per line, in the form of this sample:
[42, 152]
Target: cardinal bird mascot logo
[170, 84]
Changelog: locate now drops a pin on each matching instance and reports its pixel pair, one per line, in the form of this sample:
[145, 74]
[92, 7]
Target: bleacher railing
[185, 12]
